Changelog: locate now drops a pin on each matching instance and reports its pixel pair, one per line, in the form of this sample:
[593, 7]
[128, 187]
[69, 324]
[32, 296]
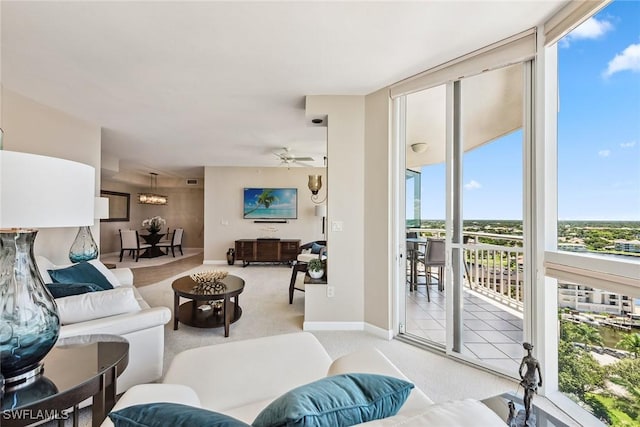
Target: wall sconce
[419, 147]
[315, 184]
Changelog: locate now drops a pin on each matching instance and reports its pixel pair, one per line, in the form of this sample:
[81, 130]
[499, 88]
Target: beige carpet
[266, 311]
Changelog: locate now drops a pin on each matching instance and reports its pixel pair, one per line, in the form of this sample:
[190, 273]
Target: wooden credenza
[267, 250]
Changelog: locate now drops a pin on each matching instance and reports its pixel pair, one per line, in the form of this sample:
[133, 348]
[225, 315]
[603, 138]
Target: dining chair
[167, 236]
[176, 242]
[130, 241]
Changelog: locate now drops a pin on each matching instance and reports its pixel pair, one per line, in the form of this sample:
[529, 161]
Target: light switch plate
[336, 225]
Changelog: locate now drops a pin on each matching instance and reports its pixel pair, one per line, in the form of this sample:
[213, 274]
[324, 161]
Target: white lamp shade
[39, 191]
[321, 210]
[101, 208]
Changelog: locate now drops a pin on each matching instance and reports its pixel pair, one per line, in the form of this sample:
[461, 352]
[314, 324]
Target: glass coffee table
[500, 405]
[76, 369]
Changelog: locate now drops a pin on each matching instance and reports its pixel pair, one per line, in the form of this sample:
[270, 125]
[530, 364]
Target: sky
[598, 133]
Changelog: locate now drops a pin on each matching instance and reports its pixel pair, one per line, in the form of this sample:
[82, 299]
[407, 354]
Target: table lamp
[35, 192]
[84, 247]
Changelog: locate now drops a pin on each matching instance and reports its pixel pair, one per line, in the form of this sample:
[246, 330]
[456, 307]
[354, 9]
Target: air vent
[192, 181]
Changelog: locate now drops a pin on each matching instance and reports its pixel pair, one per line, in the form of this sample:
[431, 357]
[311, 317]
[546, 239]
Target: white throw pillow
[96, 305]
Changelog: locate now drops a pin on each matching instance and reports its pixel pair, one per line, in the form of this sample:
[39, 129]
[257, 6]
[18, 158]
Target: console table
[267, 250]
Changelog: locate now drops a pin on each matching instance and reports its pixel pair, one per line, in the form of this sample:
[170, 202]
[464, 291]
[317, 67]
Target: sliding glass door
[467, 140]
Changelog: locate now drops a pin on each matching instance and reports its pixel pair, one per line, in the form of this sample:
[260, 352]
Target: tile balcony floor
[492, 332]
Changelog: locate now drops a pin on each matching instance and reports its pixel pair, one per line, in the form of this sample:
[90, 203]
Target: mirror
[118, 206]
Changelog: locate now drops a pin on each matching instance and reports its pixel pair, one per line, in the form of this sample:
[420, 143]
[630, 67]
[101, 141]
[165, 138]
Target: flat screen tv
[270, 203]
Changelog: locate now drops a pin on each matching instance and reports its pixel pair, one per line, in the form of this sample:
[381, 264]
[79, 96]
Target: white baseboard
[379, 332]
[333, 326]
[349, 326]
[214, 261]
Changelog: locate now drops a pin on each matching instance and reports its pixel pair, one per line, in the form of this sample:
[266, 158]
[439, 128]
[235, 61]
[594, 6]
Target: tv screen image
[270, 203]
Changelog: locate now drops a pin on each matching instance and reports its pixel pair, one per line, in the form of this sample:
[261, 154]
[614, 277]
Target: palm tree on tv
[266, 198]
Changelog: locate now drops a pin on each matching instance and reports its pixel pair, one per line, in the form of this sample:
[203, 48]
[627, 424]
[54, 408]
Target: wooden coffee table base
[192, 316]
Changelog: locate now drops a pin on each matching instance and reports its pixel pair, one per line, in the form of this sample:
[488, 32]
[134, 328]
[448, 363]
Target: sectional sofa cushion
[337, 401]
[96, 305]
[162, 414]
[82, 272]
[315, 248]
[60, 290]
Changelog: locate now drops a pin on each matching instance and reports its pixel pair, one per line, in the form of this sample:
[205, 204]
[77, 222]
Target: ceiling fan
[287, 158]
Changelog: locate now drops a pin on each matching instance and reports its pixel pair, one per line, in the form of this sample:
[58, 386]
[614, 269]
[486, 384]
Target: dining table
[152, 239]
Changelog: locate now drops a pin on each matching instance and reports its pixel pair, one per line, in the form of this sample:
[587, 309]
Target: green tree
[627, 372]
[578, 371]
[630, 342]
[580, 332]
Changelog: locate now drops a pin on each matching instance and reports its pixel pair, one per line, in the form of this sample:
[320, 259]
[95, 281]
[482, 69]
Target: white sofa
[141, 325]
[241, 378]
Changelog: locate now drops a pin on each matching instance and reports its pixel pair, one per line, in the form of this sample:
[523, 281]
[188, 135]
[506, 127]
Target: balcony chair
[434, 257]
[308, 251]
[176, 242]
[414, 254]
[130, 241]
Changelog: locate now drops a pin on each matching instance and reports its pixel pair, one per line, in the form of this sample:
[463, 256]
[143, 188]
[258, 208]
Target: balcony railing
[495, 271]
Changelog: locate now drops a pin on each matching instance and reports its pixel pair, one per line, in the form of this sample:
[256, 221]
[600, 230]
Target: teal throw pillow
[161, 414]
[315, 248]
[61, 290]
[337, 401]
[82, 272]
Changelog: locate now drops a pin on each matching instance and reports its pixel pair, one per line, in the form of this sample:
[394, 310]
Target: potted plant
[316, 268]
[154, 224]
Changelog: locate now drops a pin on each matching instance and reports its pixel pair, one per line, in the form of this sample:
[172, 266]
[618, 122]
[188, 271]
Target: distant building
[572, 247]
[584, 298]
[627, 245]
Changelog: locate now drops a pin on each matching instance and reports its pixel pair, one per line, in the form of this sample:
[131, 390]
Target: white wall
[345, 184]
[35, 128]
[224, 224]
[377, 204]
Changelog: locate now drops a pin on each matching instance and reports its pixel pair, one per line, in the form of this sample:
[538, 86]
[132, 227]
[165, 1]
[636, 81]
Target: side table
[76, 369]
[500, 405]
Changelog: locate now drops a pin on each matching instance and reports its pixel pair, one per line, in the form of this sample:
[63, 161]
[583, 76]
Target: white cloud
[589, 29]
[604, 153]
[630, 144]
[629, 59]
[472, 185]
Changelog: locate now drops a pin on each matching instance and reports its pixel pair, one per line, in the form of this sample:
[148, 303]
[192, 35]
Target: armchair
[308, 251]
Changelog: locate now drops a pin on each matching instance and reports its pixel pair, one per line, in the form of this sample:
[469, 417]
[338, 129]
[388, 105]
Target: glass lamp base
[84, 248]
[29, 321]
[24, 378]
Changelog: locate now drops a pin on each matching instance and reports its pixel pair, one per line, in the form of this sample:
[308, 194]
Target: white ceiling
[180, 85]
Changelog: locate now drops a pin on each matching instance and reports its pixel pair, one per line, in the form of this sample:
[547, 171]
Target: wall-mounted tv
[270, 203]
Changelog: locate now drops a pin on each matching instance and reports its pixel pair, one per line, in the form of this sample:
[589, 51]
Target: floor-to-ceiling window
[595, 170]
[598, 214]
